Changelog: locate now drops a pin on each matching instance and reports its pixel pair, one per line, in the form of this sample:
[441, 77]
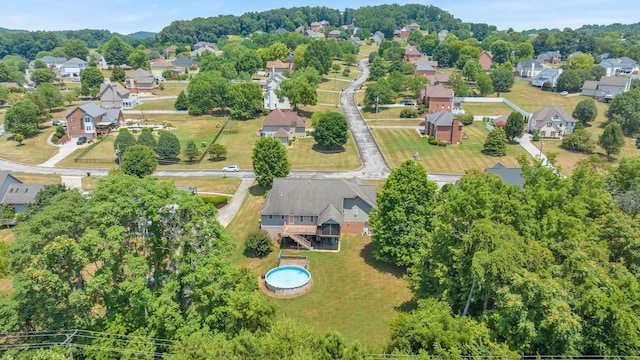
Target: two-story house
[547, 78]
[443, 126]
[620, 66]
[550, 57]
[607, 88]
[141, 80]
[270, 99]
[528, 68]
[411, 53]
[91, 120]
[551, 122]
[114, 95]
[437, 98]
[72, 67]
[278, 67]
[485, 59]
[283, 125]
[314, 212]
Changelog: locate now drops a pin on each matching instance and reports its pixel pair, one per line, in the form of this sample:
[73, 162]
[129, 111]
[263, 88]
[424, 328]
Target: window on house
[73, 119]
[270, 216]
[543, 133]
[549, 123]
[89, 128]
[73, 128]
[281, 217]
[301, 219]
[569, 125]
[87, 120]
[560, 125]
[553, 133]
[559, 132]
[311, 218]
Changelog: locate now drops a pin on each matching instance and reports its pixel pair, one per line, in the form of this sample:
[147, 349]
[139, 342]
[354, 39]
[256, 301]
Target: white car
[231, 168]
[564, 93]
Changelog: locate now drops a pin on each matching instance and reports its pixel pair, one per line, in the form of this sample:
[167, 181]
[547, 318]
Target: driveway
[63, 151]
[374, 164]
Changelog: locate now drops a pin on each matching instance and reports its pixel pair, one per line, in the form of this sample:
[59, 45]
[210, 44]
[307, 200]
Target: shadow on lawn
[257, 190]
[367, 254]
[325, 150]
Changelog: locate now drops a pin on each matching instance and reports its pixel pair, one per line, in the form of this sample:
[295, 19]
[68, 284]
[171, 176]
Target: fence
[215, 138]
[89, 148]
[495, 100]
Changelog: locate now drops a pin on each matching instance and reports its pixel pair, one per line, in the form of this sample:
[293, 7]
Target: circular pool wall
[287, 280]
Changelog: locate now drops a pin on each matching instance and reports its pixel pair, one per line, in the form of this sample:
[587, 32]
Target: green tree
[138, 59]
[69, 97]
[168, 146]
[52, 95]
[585, 111]
[377, 69]
[331, 130]
[116, 51]
[22, 118]
[379, 93]
[496, 143]
[298, 91]
[118, 75]
[217, 151]
[19, 138]
[597, 72]
[182, 103]
[91, 78]
[191, 151]
[625, 110]
[501, 51]
[458, 85]
[269, 160]
[569, 80]
[402, 220]
[258, 244]
[146, 138]
[612, 139]
[245, 100]
[471, 69]
[580, 139]
[206, 90]
[524, 51]
[484, 84]
[42, 76]
[580, 62]
[502, 80]
[514, 127]
[317, 55]
[139, 160]
[124, 140]
[76, 48]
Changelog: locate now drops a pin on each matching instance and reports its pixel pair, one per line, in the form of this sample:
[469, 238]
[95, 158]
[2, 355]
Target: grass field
[352, 292]
[400, 122]
[223, 185]
[37, 178]
[34, 150]
[486, 109]
[328, 97]
[166, 104]
[171, 89]
[305, 155]
[398, 145]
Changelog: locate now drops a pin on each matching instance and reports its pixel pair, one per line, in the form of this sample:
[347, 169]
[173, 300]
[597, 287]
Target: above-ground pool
[287, 279]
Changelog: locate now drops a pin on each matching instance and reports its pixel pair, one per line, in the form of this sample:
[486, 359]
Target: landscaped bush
[216, 200]
[258, 244]
[536, 136]
[466, 119]
[408, 113]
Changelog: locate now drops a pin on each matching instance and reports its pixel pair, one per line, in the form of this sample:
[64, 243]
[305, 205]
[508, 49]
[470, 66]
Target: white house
[72, 67]
[620, 66]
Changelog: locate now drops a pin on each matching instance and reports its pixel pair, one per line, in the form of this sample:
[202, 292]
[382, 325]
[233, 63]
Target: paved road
[374, 164]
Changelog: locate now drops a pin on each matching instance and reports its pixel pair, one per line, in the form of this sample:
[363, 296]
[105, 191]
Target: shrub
[536, 136]
[408, 113]
[466, 119]
[258, 244]
[215, 200]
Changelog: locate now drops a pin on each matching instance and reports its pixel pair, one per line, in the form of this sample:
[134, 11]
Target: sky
[128, 16]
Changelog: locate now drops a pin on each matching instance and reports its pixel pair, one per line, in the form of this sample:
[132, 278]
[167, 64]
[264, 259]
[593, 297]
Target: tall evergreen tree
[269, 160]
[612, 139]
[168, 146]
[496, 143]
[181, 102]
[515, 126]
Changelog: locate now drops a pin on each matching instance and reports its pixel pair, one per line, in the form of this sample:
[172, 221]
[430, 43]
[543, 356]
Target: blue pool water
[287, 277]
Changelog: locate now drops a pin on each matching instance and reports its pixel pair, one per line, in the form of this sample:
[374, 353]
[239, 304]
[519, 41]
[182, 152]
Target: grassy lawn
[404, 122]
[399, 145]
[2, 117]
[352, 292]
[330, 84]
[166, 104]
[532, 99]
[34, 150]
[305, 155]
[37, 178]
[328, 97]
[171, 89]
[383, 112]
[486, 109]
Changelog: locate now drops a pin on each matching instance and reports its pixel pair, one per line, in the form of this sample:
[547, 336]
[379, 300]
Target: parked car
[81, 140]
[231, 168]
[56, 123]
[564, 93]
[406, 102]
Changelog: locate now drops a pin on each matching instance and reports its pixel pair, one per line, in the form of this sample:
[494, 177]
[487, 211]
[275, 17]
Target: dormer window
[549, 123]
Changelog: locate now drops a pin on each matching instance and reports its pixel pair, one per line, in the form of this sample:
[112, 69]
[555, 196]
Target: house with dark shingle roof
[620, 66]
[551, 122]
[550, 57]
[72, 67]
[114, 95]
[411, 53]
[91, 120]
[315, 212]
[607, 88]
[443, 126]
[528, 68]
[15, 193]
[437, 98]
[141, 80]
[511, 176]
[547, 77]
[283, 125]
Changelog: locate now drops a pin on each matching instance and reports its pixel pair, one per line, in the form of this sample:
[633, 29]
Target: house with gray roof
[550, 57]
[377, 37]
[13, 192]
[551, 122]
[314, 212]
[114, 95]
[91, 120]
[620, 66]
[443, 126]
[141, 80]
[528, 68]
[512, 176]
[547, 78]
[270, 99]
[607, 88]
[53, 62]
[72, 67]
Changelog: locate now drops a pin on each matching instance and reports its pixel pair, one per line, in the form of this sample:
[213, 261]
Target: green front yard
[399, 145]
[34, 149]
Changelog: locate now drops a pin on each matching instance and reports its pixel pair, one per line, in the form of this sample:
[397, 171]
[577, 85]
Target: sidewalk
[227, 213]
[535, 152]
[63, 151]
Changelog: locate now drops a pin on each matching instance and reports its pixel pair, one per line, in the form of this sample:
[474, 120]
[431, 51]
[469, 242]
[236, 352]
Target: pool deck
[270, 293]
[303, 263]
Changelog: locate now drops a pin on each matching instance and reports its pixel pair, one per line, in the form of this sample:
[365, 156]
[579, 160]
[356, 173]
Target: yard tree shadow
[367, 254]
[407, 306]
[326, 150]
[257, 190]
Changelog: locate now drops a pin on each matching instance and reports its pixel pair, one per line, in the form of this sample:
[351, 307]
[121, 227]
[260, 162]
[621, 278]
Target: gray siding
[362, 207]
[275, 220]
[5, 185]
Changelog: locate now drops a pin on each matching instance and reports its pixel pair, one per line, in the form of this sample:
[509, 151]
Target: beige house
[551, 122]
[283, 125]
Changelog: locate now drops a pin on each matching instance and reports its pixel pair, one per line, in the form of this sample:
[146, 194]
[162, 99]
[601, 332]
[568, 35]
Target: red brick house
[437, 98]
[443, 126]
[485, 59]
[411, 53]
[91, 120]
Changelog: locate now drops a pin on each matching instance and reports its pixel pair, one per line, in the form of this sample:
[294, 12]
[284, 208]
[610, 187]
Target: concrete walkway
[2, 132]
[226, 214]
[535, 152]
[72, 182]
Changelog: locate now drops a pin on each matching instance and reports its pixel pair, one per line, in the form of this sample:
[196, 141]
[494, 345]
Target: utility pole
[415, 156]
[377, 98]
[119, 154]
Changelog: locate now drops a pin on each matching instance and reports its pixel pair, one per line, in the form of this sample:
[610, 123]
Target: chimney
[533, 66]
